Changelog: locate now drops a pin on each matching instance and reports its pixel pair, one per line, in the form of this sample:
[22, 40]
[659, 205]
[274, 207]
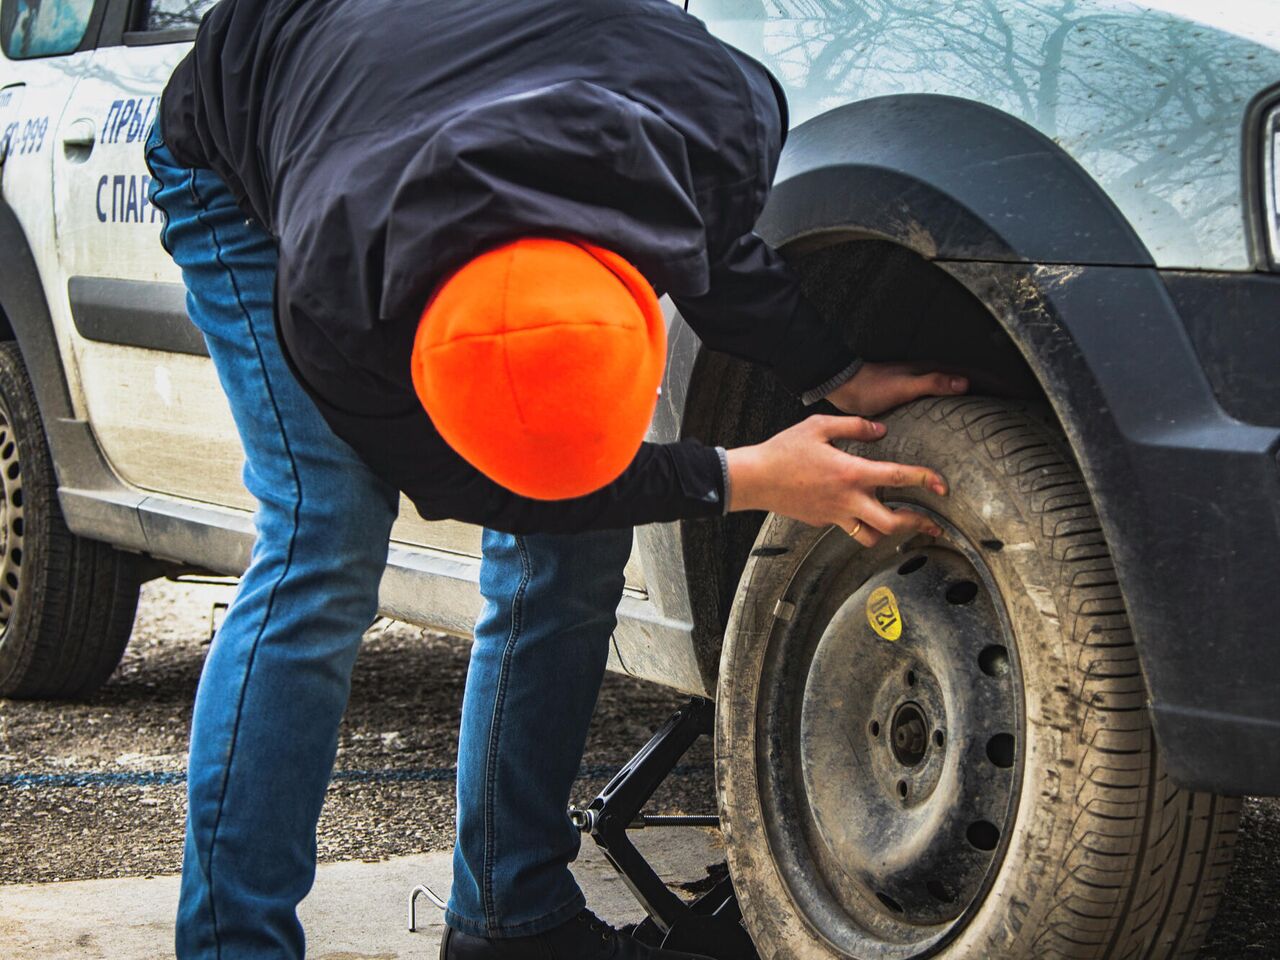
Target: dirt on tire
[1107, 858]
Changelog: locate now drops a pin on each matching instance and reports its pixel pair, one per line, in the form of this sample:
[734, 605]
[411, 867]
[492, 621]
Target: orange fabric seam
[506, 354]
[511, 333]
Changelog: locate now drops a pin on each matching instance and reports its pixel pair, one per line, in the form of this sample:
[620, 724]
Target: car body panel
[1189, 494]
[1150, 103]
[1189, 499]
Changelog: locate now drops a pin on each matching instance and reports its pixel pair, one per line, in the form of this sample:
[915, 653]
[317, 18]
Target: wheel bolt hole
[875, 728]
[994, 661]
[13, 471]
[983, 835]
[939, 738]
[902, 789]
[1000, 750]
[939, 892]
[911, 678]
[889, 902]
[912, 565]
[958, 594]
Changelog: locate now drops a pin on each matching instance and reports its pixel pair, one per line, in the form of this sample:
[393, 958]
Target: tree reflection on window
[176, 14]
[43, 28]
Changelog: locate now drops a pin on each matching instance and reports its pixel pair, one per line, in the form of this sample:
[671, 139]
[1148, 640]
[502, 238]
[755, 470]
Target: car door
[44, 46]
[149, 389]
[151, 392]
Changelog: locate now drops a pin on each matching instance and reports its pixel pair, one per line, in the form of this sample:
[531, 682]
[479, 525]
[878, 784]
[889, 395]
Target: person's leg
[539, 656]
[276, 681]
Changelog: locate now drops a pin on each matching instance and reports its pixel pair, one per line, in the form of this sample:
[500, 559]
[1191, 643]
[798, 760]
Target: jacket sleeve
[754, 310]
[665, 482]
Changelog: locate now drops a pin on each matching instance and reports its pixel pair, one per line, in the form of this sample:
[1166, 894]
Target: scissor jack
[710, 925]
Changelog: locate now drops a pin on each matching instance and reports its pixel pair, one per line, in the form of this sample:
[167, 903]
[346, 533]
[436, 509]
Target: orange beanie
[539, 363]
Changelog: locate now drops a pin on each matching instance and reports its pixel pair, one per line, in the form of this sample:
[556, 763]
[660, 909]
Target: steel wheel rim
[846, 904]
[12, 521]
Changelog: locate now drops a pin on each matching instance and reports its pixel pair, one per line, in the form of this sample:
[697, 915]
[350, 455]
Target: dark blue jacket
[384, 143]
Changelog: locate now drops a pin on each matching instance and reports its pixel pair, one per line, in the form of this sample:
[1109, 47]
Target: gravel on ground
[97, 789]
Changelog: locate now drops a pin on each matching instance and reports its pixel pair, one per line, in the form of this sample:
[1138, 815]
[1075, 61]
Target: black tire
[1090, 851]
[66, 603]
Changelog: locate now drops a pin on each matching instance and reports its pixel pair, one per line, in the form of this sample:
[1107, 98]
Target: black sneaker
[585, 937]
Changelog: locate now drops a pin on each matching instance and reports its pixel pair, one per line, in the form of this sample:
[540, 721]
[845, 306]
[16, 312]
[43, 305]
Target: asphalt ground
[96, 790]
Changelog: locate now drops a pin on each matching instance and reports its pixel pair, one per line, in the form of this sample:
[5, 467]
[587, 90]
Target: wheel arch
[1040, 290]
[95, 503]
[26, 319]
[948, 178]
[870, 177]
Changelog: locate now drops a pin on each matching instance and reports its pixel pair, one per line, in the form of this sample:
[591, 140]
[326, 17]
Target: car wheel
[66, 603]
[942, 748]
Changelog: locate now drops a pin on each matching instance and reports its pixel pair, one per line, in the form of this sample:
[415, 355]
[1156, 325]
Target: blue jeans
[277, 678]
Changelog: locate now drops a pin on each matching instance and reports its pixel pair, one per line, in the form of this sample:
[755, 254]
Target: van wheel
[66, 603]
[944, 750]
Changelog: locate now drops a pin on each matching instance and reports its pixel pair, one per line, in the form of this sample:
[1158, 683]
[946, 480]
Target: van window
[43, 28]
[174, 14]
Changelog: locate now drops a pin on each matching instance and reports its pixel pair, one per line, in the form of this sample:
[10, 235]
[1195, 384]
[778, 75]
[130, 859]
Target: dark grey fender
[949, 178]
[1189, 497]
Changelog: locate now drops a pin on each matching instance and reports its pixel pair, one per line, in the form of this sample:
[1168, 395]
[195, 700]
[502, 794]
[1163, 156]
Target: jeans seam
[153, 144]
[297, 508]
[495, 732]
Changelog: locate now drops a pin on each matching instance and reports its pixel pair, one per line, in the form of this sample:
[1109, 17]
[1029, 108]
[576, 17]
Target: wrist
[845, 398]
[837, 386]
[747, 479]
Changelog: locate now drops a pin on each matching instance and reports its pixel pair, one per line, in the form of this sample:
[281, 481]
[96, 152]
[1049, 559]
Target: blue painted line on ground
[164, 778]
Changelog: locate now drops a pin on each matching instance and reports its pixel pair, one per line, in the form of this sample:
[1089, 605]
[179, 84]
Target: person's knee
[334, 539]
[341, 538]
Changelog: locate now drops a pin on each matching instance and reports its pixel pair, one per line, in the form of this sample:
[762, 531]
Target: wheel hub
[909, 734]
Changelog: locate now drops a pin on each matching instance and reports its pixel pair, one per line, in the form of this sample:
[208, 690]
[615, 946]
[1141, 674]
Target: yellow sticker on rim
[883, 613]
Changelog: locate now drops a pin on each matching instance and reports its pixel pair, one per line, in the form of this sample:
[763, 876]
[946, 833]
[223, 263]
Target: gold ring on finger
[857, 529]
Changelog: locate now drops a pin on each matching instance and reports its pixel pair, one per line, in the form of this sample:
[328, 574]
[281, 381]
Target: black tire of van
[66, 603]
[942, 748]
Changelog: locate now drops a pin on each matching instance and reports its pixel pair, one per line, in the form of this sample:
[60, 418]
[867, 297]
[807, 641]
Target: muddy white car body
[1072, 201]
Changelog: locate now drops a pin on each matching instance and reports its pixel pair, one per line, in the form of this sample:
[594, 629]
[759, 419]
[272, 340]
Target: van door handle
[78, 140]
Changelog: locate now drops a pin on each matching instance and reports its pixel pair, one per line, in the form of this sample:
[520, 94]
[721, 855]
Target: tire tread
[1148, 859]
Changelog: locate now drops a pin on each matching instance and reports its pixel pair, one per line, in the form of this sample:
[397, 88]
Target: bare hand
[878, 387]
[799, 474]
